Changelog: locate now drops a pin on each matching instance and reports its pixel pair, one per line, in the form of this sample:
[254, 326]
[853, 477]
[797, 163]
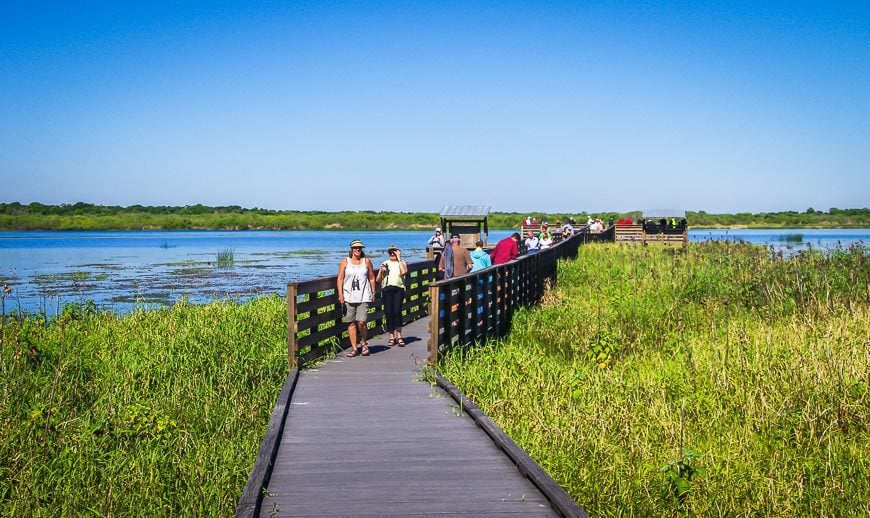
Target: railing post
[433, 324]
[291, 325]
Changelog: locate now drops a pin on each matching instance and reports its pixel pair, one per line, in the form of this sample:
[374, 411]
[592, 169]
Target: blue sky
[525, 106]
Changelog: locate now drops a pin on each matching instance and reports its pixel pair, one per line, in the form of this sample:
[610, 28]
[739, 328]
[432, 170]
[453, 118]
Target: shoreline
[83, 216]
[412, 228]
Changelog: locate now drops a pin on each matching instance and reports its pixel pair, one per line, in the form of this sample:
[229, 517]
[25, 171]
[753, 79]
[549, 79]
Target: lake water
[120, 270]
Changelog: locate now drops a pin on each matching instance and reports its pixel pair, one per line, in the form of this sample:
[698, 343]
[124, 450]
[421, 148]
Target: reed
[226, 258]
[722, 381]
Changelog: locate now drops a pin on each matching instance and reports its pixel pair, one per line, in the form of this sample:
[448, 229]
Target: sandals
[401, 342]
[391, 342]
[356, 352]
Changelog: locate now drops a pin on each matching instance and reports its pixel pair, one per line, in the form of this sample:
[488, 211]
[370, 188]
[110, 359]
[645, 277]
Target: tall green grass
[721, 381]
[226, 258]
[154, 413]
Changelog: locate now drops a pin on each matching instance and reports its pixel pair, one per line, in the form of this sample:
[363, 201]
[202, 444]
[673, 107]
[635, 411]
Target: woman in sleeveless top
[391, 277]
[356, 290]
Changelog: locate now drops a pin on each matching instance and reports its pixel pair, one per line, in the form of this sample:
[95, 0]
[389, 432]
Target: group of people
[653, 225]
[595, 225]
[456, 260]
[357, 280]
[543, 240]
[356, 290]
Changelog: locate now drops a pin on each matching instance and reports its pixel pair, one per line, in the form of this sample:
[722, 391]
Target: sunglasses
[356, 248]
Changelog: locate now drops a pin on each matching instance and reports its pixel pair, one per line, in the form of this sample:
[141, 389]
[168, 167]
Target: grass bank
[154, 413]
[717, 382]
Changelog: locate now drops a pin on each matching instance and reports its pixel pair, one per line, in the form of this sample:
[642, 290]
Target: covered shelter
[471, 222]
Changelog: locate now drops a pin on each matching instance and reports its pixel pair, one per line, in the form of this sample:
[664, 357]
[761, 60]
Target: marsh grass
[154, 413]
[791, 238]
[81, 276]
[226, 258]
[292, 253]
[721, 381]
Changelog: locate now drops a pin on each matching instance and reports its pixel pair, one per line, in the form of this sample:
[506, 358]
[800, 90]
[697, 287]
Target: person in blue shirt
[480, 257]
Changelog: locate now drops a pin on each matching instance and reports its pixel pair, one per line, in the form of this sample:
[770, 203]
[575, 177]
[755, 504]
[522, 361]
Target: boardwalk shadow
[375, 349]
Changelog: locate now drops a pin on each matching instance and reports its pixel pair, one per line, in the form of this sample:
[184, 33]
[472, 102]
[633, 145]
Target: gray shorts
[355, 312]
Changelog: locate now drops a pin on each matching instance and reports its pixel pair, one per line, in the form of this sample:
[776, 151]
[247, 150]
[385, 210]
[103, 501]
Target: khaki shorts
[355, 312]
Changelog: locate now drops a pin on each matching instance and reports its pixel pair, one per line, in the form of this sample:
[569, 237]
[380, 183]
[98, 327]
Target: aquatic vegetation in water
[102, 266]
[64, 277]
[226, 258]
[291, 253]
[192, 272]
[188, 262]
[150, 298]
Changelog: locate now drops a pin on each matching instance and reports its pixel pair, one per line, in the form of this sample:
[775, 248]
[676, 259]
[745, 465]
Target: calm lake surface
[120, 270]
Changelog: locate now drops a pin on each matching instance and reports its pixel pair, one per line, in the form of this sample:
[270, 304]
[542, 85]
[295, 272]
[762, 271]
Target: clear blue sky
[716, 106]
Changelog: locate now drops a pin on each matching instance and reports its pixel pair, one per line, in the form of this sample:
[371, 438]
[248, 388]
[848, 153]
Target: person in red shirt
[506, 249]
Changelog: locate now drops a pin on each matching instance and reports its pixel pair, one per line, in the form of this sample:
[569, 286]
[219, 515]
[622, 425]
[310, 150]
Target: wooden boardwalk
[366, 436]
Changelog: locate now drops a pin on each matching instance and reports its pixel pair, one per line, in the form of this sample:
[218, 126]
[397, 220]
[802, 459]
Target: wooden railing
[606, 235]
[314, 325]
[655, 232]
[478, 306]
[633, 232]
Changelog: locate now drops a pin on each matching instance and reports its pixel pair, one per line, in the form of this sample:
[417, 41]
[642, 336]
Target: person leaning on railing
[567, 230]
[506, 249]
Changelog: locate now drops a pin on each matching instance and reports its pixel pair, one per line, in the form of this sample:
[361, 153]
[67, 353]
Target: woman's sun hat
[356, 243]
[393, 247]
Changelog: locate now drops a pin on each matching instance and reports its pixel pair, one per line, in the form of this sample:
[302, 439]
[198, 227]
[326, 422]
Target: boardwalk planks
[366, 436]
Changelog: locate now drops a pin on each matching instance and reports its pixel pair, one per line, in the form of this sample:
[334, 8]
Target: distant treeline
[86, 216]
[833, 218]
